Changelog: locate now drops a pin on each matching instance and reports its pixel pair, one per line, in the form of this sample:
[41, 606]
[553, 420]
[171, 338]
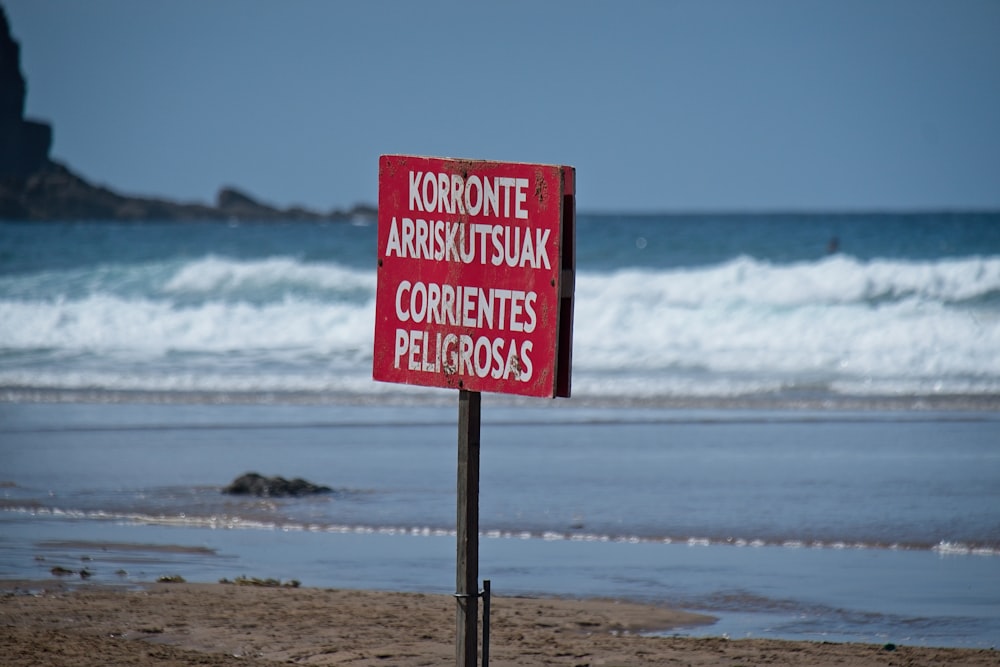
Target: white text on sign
[432, 192]
[437, 240]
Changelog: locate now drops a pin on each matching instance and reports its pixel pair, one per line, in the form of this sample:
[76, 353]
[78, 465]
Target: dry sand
[225, 624]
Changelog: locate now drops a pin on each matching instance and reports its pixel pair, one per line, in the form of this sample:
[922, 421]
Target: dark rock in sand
[253, 484]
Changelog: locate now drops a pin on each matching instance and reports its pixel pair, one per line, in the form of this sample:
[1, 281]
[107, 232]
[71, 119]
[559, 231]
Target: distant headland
[35, 187]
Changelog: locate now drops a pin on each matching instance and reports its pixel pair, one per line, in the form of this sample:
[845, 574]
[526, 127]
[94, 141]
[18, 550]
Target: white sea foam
[738, 328]
[834, 280]
[834, 320]
[958, 549]
[220, 276]
[104, 323]
[235, 522]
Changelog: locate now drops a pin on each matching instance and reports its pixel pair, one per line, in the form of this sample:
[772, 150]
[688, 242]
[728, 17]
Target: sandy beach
[227, 624]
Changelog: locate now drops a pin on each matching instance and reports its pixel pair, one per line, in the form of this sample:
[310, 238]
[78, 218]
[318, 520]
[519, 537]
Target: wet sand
[50, 623]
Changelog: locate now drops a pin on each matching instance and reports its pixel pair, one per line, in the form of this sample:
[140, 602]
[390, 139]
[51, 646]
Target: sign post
[476, 271]
[467, 556]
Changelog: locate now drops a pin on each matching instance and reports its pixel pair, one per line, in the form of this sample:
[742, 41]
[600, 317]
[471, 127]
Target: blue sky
[660, 106]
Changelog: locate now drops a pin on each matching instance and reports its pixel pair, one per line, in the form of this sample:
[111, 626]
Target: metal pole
[486, 623]
[467, 558]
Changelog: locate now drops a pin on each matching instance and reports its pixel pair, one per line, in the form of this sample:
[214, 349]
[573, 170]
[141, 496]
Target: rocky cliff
[25, 142]
[34, 187]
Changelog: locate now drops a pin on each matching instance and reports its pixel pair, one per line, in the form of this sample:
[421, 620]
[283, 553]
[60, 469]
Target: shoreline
[229, 624]
[572, 534]
[122, 494]
[67, 558]
[833, 404]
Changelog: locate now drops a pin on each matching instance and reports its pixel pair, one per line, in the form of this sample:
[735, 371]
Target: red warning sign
[475, 275]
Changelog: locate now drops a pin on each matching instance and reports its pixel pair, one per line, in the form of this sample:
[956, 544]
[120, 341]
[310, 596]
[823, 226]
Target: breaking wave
[742, 327]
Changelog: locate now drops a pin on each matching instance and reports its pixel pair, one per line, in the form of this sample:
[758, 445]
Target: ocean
[691, 310]
[786, 421]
